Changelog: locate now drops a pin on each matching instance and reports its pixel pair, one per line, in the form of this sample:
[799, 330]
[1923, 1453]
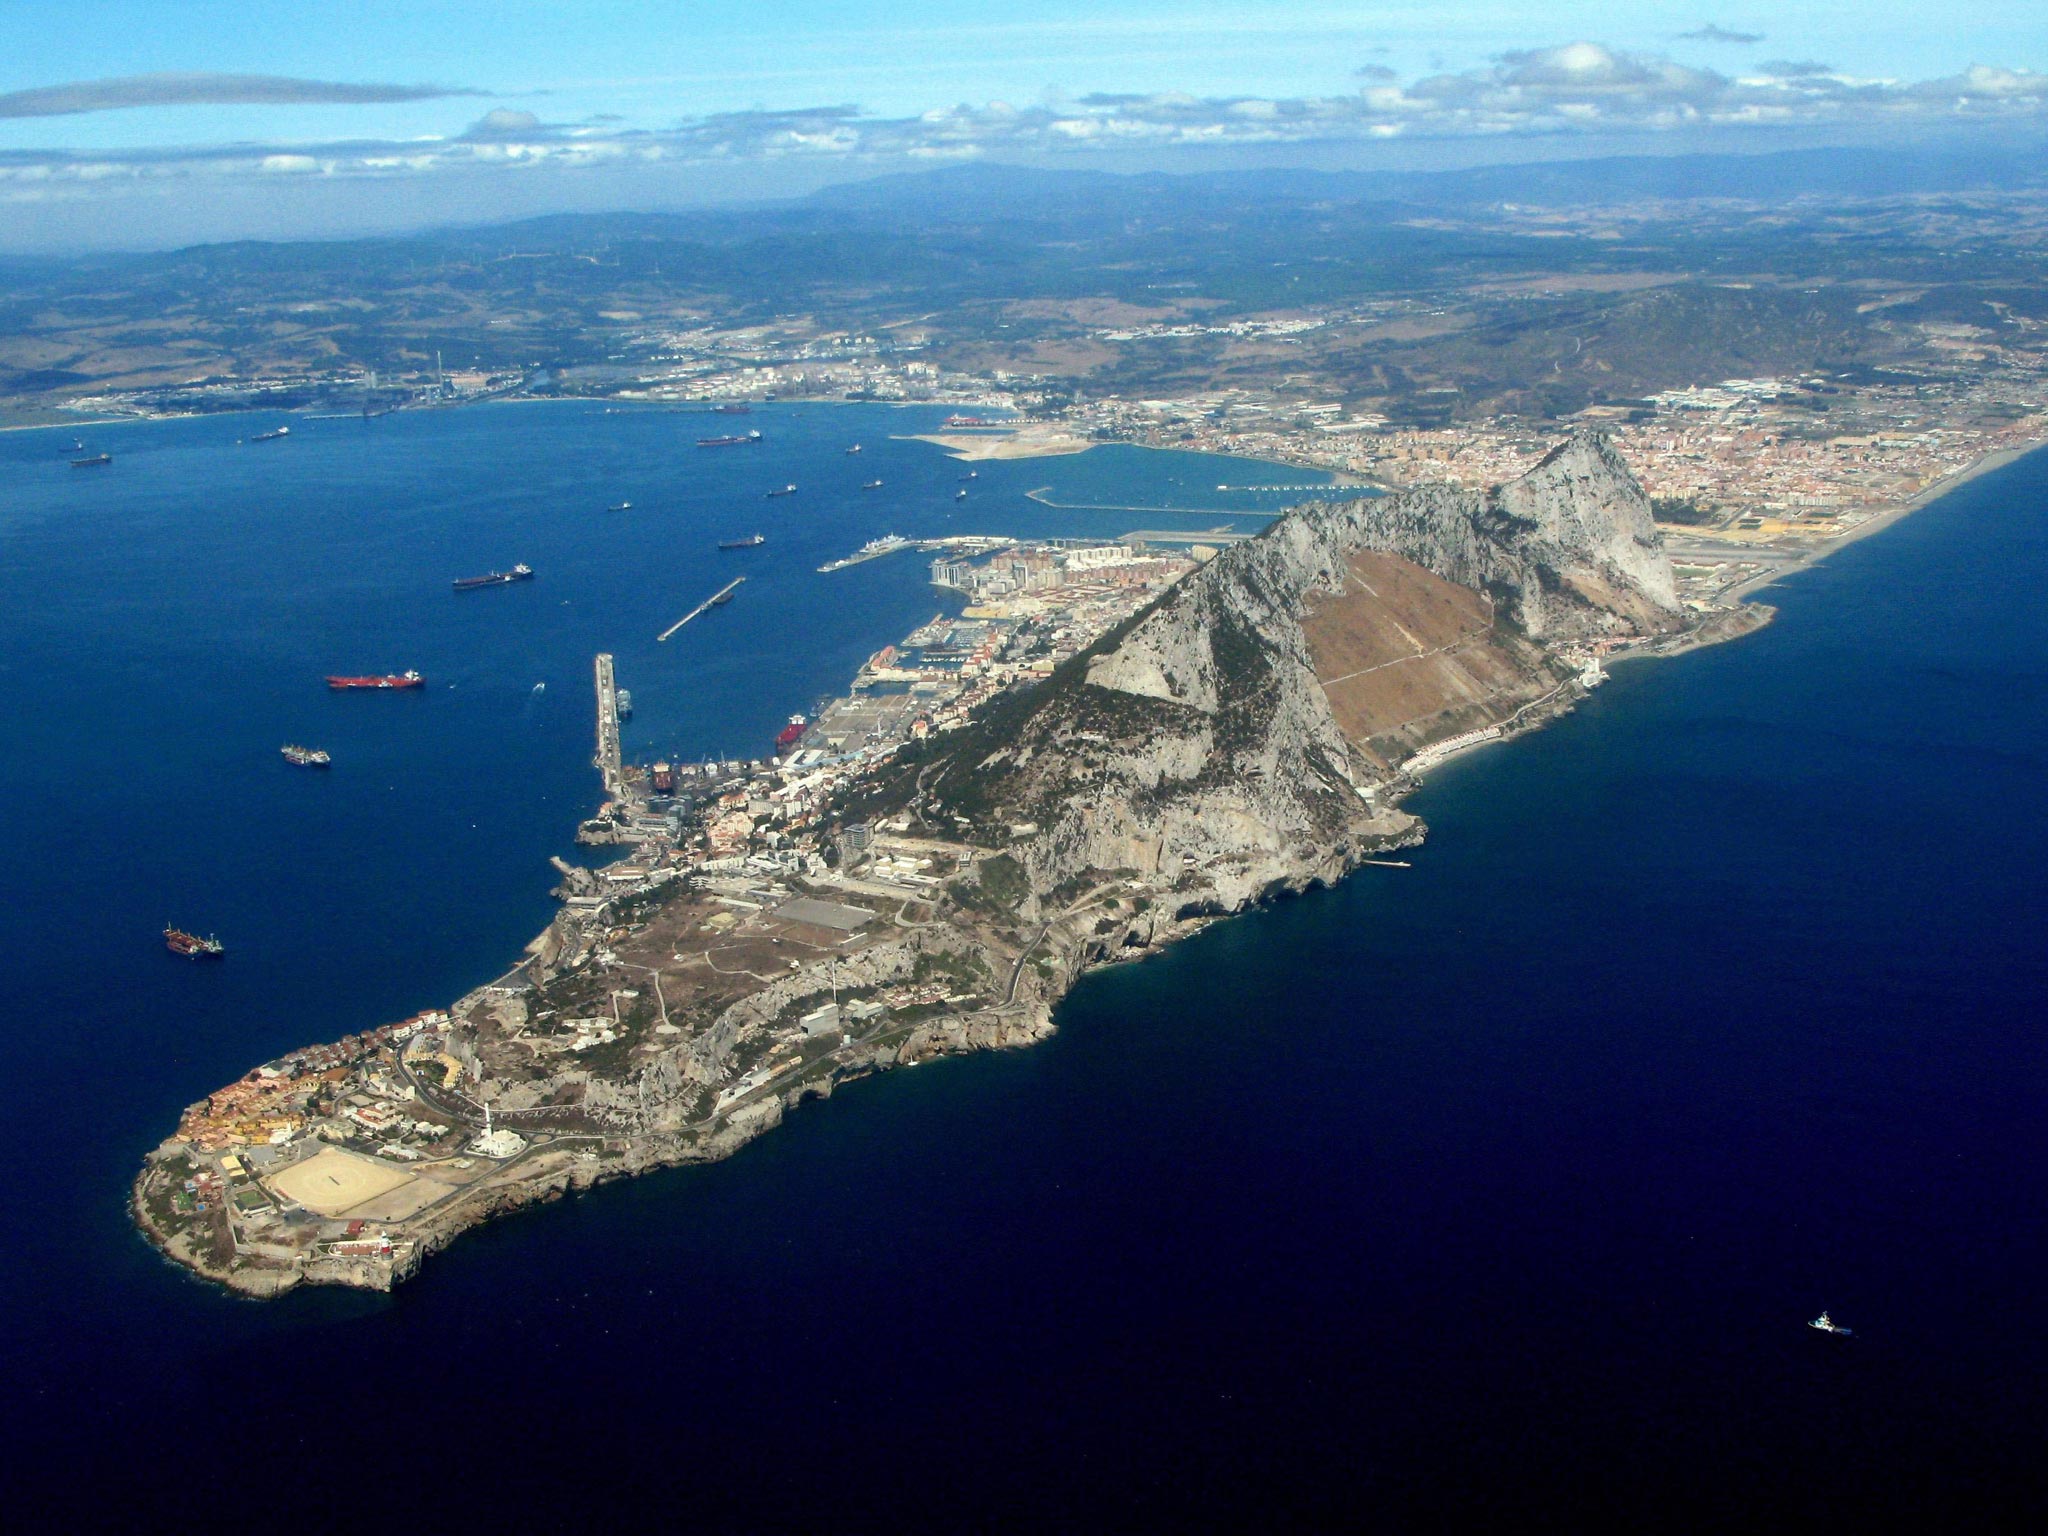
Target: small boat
[94, 462]
[540, 687]
[787, 490]
[191, 946]
[960, 495]
[1827, 1324]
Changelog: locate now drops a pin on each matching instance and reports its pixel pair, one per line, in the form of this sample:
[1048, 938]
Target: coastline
[1041, 973]
[1877, 522]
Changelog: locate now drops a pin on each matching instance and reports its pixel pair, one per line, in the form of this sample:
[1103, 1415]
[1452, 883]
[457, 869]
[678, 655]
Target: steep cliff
[1234, 737]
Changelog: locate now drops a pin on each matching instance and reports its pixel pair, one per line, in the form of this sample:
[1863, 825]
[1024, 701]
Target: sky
[152, 122]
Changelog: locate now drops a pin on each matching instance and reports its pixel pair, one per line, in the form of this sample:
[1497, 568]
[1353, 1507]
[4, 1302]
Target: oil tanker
[727, 442]
[190, 945]
[520, 572]
[387, 680]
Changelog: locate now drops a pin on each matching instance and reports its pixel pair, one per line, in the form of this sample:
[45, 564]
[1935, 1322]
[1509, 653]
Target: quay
[710, 602]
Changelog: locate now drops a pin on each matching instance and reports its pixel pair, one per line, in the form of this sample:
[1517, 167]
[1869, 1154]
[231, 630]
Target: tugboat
[305, 757]
[1827, 1324]
[191, 946]
[520, 572]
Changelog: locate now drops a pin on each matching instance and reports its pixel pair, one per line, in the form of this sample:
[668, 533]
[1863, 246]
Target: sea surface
[1497, 1189]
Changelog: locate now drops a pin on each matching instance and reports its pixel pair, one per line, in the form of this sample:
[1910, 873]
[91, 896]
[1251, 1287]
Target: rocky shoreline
[1239, 741]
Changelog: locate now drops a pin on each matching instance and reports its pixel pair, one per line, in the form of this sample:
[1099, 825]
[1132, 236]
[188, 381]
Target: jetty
[721, 595]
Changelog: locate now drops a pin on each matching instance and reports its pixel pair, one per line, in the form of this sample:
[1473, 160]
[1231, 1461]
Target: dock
[710, 602]
[608, 726]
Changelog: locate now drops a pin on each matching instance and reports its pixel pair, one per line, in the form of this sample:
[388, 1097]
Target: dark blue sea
[1494, 1192]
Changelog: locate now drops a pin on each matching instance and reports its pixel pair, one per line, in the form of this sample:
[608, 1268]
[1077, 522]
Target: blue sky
[658, 103]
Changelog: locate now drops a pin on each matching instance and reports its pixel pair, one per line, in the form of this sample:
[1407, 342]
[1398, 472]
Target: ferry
[727, 442]
[190, 945]
[1827, 1324]
[305, 757]
[520, 572]
[386, 680]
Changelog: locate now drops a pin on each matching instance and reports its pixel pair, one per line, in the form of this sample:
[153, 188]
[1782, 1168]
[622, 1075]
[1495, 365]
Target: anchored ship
[854, 449]
[520, 572]
[787, 490]
[872, 485]
[624, 506]
[190, 945]
[271, 437]
[747, 543]
[94, 462]
[305, 757]
[727, 442]
[387, 680]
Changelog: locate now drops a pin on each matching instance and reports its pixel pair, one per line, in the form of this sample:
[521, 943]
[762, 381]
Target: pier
[710, 602]
[608, 726]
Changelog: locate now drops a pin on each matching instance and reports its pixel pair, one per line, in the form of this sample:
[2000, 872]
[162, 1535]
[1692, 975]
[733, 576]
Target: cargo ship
[624, 506]
[872, 485]
[179, 942]
[305, 757]
[271, 437]
[748, 543]
[727, 442]
[387, 680]
[792, 733]
[94, 462]
[520, 572]
[787, 490]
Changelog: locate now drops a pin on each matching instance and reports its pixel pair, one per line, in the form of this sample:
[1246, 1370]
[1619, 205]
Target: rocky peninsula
[1250, 731]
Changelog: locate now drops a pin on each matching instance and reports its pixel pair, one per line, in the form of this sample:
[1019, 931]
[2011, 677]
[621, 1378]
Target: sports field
[333, 1182]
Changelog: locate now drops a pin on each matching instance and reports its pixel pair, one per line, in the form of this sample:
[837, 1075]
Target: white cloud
[1578, 88]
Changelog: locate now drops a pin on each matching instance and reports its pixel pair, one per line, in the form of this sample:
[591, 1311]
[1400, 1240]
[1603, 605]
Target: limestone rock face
[1200, 744]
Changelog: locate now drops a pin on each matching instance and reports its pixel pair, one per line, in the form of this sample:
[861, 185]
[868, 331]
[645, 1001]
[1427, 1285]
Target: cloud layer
[179, 90]
[1579, 88]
